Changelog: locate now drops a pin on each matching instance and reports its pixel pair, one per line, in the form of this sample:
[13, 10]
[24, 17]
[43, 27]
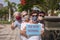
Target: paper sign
[33, 29]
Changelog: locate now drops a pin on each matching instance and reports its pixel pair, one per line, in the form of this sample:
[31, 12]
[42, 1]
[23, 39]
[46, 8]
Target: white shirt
[23, 25]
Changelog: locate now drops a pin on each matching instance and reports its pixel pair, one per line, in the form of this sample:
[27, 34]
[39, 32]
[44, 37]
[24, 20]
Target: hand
[23, 32]
[12, 26]
[24, 28]
[42, 33]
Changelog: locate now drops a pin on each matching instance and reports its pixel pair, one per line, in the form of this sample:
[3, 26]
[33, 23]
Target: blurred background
[8, 7]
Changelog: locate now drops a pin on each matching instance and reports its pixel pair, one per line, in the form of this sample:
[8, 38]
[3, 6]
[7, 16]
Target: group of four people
[23, 18]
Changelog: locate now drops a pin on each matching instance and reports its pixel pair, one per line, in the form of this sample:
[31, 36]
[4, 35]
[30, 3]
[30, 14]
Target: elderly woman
[25, 20]
[17, 22]
[23, 15]
[20, 24]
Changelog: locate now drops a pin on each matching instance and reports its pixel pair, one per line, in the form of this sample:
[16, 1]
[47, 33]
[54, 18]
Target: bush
[5, 22]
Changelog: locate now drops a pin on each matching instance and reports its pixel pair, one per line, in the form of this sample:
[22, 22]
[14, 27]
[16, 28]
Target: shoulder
[41, 24]
[16, 22]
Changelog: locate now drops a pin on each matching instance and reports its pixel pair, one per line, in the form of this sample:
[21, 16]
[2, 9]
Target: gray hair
[15, 13]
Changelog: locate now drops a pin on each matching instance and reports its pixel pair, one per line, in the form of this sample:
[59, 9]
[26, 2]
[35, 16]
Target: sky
[4, 4]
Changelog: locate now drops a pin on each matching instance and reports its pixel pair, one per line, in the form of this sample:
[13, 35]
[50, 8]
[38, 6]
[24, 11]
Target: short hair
[42, 12]
[33, 12]
[16, 13]
[24, 12]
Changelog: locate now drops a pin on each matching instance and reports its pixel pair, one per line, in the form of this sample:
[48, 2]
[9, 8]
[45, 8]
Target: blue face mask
[34, 18]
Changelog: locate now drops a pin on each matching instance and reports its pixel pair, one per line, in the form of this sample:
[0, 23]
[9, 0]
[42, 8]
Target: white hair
[16, 13]
[24, 12]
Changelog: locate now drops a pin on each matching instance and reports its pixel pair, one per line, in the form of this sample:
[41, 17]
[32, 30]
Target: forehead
[34, 14]
[16, 14]
[41, 14]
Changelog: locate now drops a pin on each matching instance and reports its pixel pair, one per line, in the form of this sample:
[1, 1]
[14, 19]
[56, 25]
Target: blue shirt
[17, 24]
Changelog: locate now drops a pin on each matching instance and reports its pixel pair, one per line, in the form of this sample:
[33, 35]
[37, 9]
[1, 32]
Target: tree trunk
[9, 15]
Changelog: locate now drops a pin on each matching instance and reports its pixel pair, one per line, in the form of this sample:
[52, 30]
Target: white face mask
[25, 18]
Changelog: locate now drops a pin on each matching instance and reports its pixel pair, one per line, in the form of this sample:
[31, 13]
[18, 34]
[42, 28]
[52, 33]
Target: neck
[32, 22]
[26, 20]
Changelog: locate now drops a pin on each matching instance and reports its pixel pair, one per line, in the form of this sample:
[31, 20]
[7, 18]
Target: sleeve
[23, 26]
[42, 26]
[15, 23]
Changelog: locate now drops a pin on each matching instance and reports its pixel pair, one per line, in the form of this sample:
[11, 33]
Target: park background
[8, 7]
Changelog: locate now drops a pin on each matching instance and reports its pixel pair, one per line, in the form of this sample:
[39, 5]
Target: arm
[13, 26]
[42, 31]
[23, 32]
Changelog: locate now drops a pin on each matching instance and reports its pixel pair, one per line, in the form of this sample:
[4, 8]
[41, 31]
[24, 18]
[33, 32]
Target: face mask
[18, 18]
[34, 18]
[25, 18]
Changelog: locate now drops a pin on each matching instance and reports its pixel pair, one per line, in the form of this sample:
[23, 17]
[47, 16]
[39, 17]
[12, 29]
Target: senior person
[17, 22]
[23, 14]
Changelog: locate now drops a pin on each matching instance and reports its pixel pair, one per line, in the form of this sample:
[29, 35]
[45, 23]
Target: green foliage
[5, 22]
[44, 4]
[19, 8]
[26, 7]
[4, 11]
[6, 0]
[11, 5]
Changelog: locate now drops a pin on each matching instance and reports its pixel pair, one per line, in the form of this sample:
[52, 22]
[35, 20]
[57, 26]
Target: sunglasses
[34, 15]
[41, 15]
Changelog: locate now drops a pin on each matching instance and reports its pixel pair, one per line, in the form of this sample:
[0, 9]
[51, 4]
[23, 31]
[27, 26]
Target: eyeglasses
[25, 15]
[41, 15]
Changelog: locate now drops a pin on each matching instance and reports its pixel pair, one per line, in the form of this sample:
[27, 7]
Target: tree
[23, 2]
[19, 8]
[3, 13]
[25, 5]
[10, 7]
[49, 5]
[44, 4]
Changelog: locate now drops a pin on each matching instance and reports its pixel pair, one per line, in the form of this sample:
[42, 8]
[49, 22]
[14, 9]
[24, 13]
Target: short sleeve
[15, 23]
[23, 25]
[42, 26]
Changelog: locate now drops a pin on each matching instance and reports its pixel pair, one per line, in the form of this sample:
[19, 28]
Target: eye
[41, 15]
